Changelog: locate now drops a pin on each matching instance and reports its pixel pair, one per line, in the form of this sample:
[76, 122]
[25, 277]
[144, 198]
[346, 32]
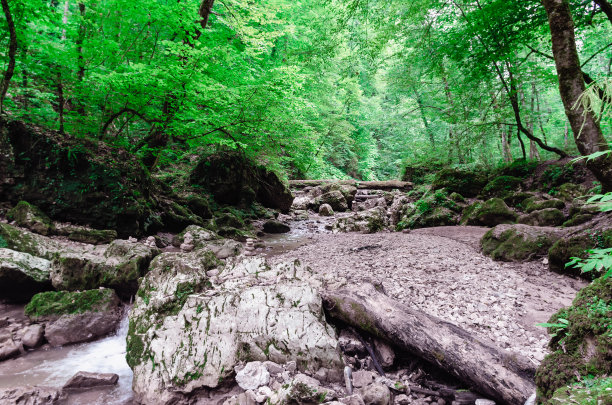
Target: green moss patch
[64, 302]
[501, 186]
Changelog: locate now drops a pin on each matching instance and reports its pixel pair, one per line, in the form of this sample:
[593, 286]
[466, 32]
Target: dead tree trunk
[507, 378]
[586, 129]
[8, 74]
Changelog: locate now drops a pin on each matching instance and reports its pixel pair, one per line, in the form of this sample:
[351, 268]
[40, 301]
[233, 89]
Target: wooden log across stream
[363, 185]
[508, 378]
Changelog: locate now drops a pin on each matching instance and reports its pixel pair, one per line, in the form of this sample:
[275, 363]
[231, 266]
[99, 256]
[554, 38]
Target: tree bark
[605, 7]
[485, 368]
[8, 74]
[587, 132]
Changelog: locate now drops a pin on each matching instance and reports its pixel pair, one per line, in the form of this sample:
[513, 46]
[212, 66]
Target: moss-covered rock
[545, 217]
[578, 219]
[25, 241]
[348, 191]
[53, 304]
[467, 182]
[233, 178]
[91, 236]
[570, 191]
[591, 391]
[73, 317]
[516, 200]
[274, 226]
[456, 197]
[229, 219]
[501, 186]
[490, 213]
[576, 244]
[581, 340]
[518, 242]
[120, 267]
[432, 209]
[519, 168]
[29, 216]
[419, 173]
[333, 198]
[22, 275]
[536, 204]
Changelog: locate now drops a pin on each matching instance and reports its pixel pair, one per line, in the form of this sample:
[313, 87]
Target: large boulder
[519, 242]
[234, 179]
[432, 209]
[369, 221]
[536, 204]
[29, 395]
[580, 342]
[489, 213]
[31, 217]
[348, 191]
[187, 332]
[333, 198]
[74, 180]
[73, 317]
[23, 275]
[595, 234]
[468, 183]
[545, 217]
[25, 241]
[501, 186]
[119, 267]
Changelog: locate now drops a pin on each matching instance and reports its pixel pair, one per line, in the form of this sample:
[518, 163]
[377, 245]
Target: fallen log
[385, 185]
[505, 377]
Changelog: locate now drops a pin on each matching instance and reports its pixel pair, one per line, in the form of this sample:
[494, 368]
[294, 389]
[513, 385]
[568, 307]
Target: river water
[55, 366]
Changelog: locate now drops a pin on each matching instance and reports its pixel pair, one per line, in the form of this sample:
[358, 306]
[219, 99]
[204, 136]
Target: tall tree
[8, 73]
[587, 131]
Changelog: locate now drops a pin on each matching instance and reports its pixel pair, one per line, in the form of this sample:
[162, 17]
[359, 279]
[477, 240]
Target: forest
[335, 89]
[299, 202]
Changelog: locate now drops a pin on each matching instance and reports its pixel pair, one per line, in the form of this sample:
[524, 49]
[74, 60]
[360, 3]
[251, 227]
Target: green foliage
[65, 302]
[3, 243]
[598, 261]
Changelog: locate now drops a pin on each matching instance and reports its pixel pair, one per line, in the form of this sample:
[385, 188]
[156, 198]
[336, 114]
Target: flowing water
[55, 366]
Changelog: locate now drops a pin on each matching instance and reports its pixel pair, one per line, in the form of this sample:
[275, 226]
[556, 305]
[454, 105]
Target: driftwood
[364, 185]
[507, 378]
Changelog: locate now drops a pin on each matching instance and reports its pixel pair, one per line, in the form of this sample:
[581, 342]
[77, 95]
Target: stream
[55, 366]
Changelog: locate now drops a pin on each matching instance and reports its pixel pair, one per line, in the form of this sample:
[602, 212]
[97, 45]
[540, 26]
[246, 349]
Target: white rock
[253, 376]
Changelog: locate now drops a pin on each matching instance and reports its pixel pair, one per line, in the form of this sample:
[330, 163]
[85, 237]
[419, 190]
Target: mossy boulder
[233, 178]
[23, 275]
[419, 173]
[119, 267]
[74, 317]
[274, 226]
[25, 241]
[229, 219]
[348, 191]
[489, 213]
[518, 242]
[91, 236]
[575, 244]
[578, 219]
[334, 199]
[520, 168]
[29, 216]
[536, 204]
[200, 236]
[467, 182]
[581, 341]
[570, 191]
[545, 217]
[591, 391]
[432, 209]
[501, 186]
[516, 200]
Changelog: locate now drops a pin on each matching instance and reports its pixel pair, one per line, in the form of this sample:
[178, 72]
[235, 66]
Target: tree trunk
[587, 132]
[428, 131]
[508, 378]
[8, 74]
[605, 7]
[506, 145]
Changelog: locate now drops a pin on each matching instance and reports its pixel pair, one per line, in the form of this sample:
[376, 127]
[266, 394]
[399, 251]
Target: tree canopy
[343, 88]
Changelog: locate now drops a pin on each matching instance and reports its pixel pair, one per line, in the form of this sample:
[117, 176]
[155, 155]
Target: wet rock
[84, 379]
[326, 210]
[253, 376]
[32, 336]
[384, 352]
[544, 217]
[200, 330]
[31, 217]
[274, 226]
[519, 242]
[8, 348]
[29, 395]
[23, 275]
[376, 394]
[73, 317]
